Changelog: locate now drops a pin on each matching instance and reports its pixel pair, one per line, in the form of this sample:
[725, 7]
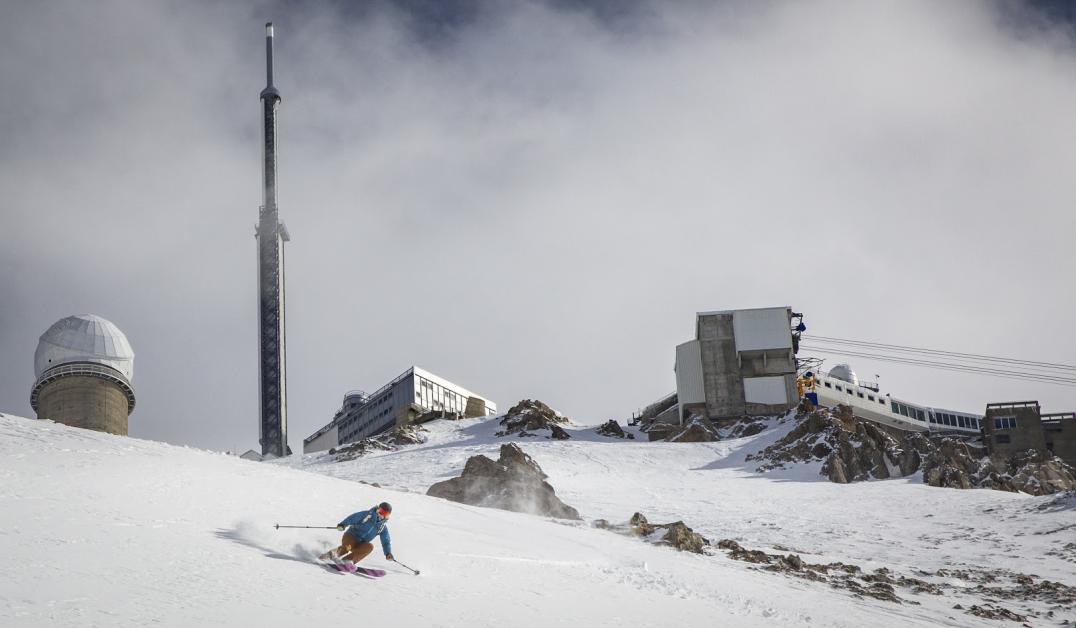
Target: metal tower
[271, 236]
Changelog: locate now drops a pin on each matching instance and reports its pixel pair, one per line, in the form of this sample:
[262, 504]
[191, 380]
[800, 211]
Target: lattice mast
[271, 235]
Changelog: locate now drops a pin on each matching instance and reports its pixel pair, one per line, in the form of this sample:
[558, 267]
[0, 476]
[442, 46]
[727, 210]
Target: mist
[533, 200]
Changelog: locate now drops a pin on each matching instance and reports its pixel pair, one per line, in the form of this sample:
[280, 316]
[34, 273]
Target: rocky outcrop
[853, 450]
[674, 534]
[697, 430]
[530, 416]
[392, 440]
[612, 429]
[512, 482]
[985, 587]
[850, 450]
[953, 464]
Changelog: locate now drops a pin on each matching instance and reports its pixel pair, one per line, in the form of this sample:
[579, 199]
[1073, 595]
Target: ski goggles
[384, 514]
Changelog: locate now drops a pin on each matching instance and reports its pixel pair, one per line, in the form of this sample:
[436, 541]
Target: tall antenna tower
[271, 235]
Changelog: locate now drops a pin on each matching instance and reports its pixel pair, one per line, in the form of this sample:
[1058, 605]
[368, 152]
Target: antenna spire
[268, 54]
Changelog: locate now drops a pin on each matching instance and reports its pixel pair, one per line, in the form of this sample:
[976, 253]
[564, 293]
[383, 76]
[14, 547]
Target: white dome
[844, 373]
[84, 338]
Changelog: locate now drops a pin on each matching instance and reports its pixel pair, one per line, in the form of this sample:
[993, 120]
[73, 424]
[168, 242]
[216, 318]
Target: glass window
[871, 397]
[860, 394]
[895, 410]
[827, 384]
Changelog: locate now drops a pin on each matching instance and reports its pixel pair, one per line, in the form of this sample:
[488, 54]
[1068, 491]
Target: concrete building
[741, 363]
[1017, 426]
[1013, 427]
[414, 395]
[83, 368]
[1059, 432]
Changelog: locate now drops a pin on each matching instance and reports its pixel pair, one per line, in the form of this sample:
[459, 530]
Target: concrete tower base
[87, 402]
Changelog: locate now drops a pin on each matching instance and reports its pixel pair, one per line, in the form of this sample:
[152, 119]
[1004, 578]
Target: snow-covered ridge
[104, 530]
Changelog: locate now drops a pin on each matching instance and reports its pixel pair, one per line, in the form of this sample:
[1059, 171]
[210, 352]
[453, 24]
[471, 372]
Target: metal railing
[84, 369]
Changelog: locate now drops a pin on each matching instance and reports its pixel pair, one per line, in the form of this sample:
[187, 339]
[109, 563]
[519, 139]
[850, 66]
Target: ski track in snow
[104, 530]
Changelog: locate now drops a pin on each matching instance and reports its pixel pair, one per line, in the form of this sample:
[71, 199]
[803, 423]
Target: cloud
[535, 201]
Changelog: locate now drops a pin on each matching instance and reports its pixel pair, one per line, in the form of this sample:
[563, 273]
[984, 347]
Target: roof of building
[84, 338]
[844, 373]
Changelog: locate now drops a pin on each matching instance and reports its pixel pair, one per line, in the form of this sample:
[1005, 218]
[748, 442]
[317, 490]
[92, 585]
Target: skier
[361, 528]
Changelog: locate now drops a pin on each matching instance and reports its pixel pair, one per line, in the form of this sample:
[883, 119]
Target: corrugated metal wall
[689, 386]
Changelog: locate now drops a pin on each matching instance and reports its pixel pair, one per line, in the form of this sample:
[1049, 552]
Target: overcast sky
[533, 200]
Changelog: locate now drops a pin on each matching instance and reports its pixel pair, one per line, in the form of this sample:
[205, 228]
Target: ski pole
[416, 571]
[278, 526]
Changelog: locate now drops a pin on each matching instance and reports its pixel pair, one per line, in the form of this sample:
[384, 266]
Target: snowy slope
[899, 524]
[104, 530]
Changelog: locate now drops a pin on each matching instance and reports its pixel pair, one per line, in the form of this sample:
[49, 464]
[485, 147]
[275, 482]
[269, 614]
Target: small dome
[84, 338]
[844, 373]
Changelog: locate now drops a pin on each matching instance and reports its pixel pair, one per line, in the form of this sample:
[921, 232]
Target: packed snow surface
[112, 531]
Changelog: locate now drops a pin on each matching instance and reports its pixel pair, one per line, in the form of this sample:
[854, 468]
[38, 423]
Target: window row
[852, 391]
[436, 397]
[910, 412]
[1005, 423]
[955, 420]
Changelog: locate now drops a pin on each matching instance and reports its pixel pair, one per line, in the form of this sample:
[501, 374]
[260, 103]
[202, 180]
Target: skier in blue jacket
[359, 529]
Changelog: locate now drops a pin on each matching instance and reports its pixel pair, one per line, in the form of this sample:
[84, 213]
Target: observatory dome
[84, 338]
[844, 373]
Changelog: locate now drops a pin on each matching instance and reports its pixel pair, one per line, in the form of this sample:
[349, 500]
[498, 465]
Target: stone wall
[1004, 443]
[476, 407]
[87, 402]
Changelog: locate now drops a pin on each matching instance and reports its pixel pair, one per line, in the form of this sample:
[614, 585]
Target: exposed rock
[557, 432]
[953, 464]
[956, 465]
[879, 584]
[529, 416]
[698, 430]
[850, 450]
[612, 429]
[675, 534]
[407, 435]
[984, 588]
[360, 448]
[993, 611]
[853, 450]
[513, 482]
[388, 441]
[740, 428]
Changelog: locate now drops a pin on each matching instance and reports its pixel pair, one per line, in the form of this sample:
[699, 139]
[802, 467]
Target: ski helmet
[384, 509]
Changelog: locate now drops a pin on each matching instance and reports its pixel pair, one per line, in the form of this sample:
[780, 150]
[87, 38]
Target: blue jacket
[365, 525]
